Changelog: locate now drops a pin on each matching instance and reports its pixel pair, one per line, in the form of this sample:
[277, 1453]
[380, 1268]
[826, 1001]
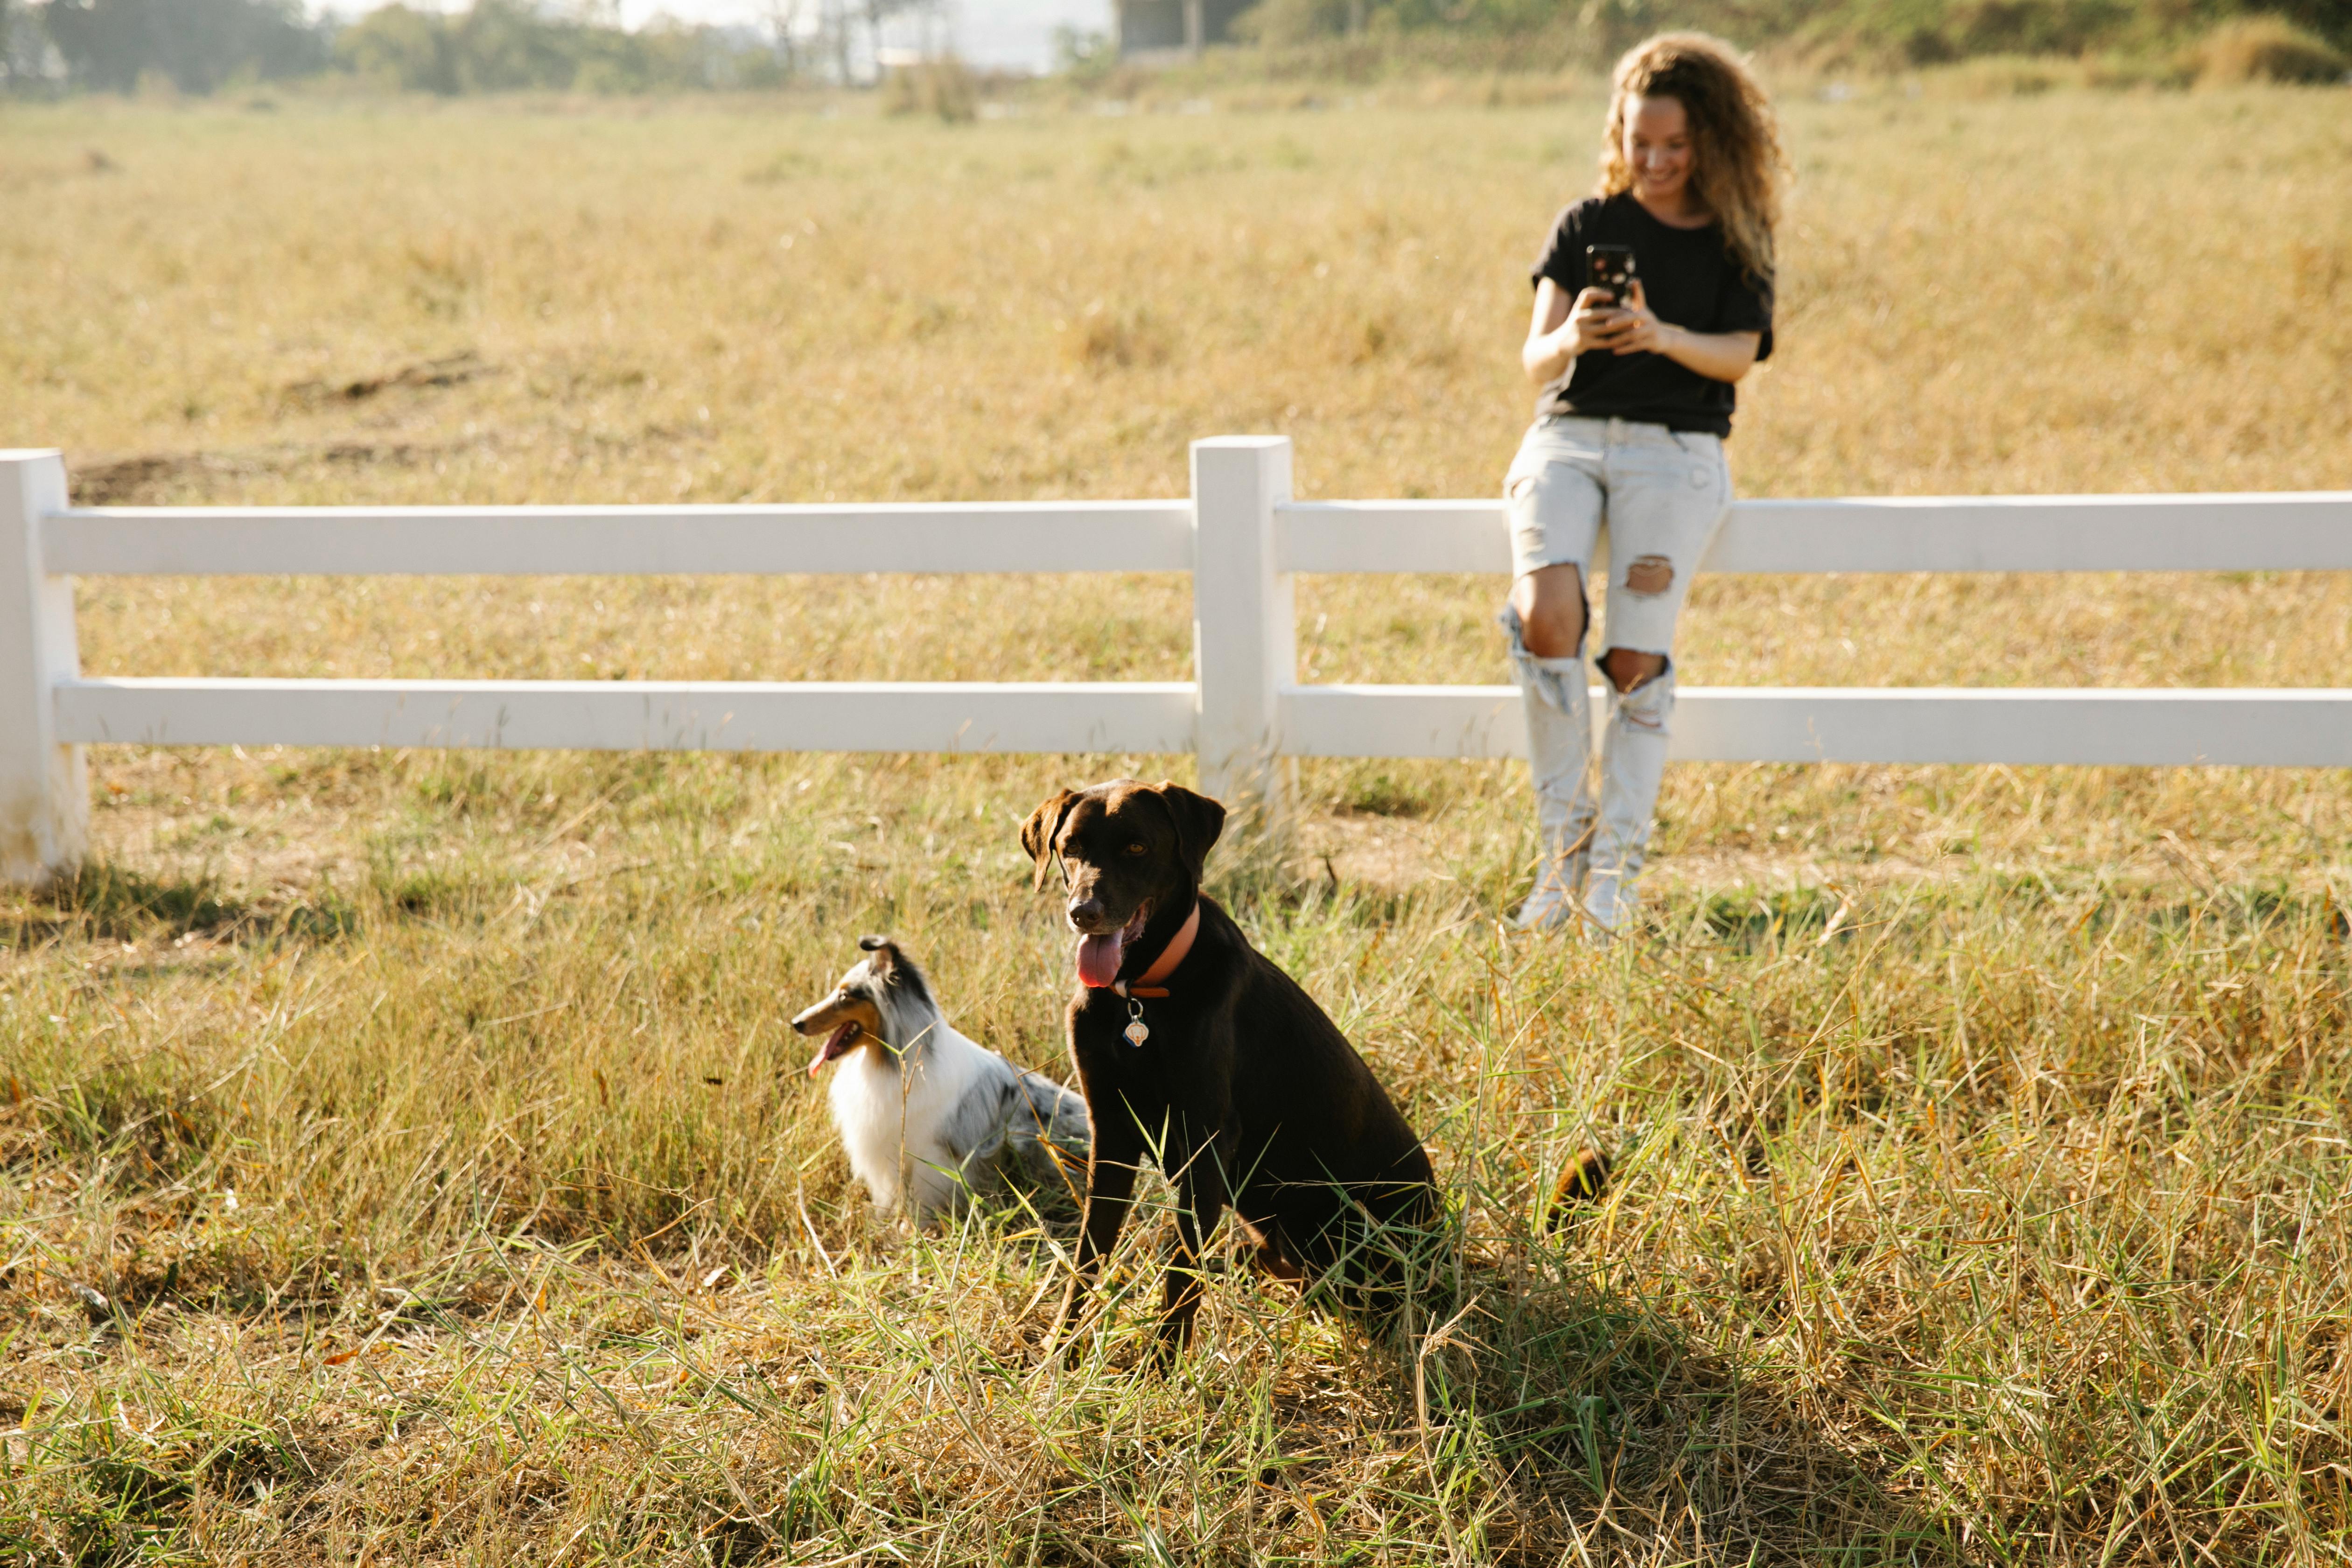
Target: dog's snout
[1086, 911]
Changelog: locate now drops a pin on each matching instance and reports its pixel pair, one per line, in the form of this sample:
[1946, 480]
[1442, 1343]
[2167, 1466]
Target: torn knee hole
[1520, 486]
[1630, 672]
[1649, 575]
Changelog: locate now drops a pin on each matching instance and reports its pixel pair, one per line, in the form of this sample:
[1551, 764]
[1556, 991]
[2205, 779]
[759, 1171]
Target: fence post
[44, 786]
[1244, 635]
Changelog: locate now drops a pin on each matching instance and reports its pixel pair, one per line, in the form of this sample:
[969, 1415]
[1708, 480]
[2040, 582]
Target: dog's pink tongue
[1098, 958]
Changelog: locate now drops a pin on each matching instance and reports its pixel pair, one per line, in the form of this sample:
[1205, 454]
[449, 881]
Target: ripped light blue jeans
[1661, 494]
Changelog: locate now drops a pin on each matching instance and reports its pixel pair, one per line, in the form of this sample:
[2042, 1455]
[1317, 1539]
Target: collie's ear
[882, 954]
[1198, 820]
[1037, 833]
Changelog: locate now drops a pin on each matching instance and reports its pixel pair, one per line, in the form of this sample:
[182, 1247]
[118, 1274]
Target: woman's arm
[1561, 329]
[1719, 356]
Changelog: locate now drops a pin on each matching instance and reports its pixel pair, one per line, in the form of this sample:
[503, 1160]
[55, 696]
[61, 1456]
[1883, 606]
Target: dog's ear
[882, 955]
[1198, 821]
[1037, 833]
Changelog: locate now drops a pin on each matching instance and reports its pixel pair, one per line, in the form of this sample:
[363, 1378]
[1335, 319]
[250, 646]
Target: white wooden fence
[1242, 538]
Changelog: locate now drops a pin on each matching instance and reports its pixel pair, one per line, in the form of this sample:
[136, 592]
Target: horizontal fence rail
[516, 541]
[2302, 531]
[2305, 532]
[633, 715]
[1712, 724]
[1242, 538]
[2019, 725]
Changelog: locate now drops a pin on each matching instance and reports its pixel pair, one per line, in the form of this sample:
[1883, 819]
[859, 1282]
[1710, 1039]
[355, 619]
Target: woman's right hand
[1562, 329]
[1594, 322]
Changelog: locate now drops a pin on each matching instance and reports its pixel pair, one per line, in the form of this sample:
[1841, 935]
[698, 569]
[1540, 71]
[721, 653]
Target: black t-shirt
[1691, 282]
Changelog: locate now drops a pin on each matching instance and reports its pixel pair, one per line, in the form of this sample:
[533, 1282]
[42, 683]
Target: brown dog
[1192, 1044]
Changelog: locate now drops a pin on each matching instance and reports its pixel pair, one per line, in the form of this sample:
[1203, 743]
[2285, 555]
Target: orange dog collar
[1148, 983]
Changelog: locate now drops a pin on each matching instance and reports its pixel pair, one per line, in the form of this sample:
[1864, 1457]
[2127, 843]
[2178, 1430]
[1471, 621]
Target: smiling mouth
[838, 1044]
[1100, 956]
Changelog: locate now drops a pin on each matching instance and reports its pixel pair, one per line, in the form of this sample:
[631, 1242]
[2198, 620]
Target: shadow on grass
[1749, 921]
[1558, 1416]
[1613, 1428]
[129, 1498]
[106, 903]
[2259, 909]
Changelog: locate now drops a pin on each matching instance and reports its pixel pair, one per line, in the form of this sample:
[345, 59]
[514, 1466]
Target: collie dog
[928, 1116]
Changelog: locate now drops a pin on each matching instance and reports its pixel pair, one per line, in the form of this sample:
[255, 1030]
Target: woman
[1637, 398]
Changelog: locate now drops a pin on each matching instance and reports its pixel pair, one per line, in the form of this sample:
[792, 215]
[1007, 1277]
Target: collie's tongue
[1098, 958]
[835, 1044]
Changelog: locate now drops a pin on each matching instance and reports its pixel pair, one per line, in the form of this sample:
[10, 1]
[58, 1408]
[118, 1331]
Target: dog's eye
[1137, 848]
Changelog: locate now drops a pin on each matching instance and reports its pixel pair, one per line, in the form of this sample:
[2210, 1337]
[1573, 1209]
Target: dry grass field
[404, 1157]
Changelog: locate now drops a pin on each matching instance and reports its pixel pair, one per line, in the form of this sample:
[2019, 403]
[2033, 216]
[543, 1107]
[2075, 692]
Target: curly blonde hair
[1735, 141]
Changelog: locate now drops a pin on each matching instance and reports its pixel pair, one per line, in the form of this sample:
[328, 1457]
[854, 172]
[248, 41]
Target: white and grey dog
[928, 1115]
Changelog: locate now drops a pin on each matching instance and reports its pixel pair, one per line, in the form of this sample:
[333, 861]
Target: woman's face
[1658, 150]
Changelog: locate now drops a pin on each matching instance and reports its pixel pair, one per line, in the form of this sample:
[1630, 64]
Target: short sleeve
[1562, 257]
[1745, 305]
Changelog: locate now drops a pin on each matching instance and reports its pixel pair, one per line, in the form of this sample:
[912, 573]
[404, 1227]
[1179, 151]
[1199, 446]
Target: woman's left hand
[1639, 330]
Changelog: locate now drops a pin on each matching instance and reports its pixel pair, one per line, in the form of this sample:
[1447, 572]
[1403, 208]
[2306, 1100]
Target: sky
[987, 32]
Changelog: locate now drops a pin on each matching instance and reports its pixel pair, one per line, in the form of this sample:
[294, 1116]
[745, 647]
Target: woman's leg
[1554, 497]
[1545, 622]
[1667, 496]
[1633, 766]
[1550, 604]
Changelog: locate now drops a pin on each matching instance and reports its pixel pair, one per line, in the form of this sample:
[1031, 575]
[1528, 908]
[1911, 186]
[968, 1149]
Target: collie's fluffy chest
[894, 1120]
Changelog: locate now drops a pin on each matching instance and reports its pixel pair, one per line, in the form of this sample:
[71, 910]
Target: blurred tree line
[505, 45]
[197, 44]
[1915, 32]
[578, 46]
[494, 46]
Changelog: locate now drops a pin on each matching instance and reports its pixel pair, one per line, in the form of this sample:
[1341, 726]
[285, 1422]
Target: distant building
[1171, 29]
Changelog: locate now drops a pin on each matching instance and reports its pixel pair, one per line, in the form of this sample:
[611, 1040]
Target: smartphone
[1611, 268]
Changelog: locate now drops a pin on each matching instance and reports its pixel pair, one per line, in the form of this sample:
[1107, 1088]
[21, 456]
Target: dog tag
[1137, 1031]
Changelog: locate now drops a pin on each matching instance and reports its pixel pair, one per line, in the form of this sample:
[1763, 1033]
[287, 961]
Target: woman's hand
[1719, 356]
[1635, 329]
[1593, 322]
[1562, 329]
